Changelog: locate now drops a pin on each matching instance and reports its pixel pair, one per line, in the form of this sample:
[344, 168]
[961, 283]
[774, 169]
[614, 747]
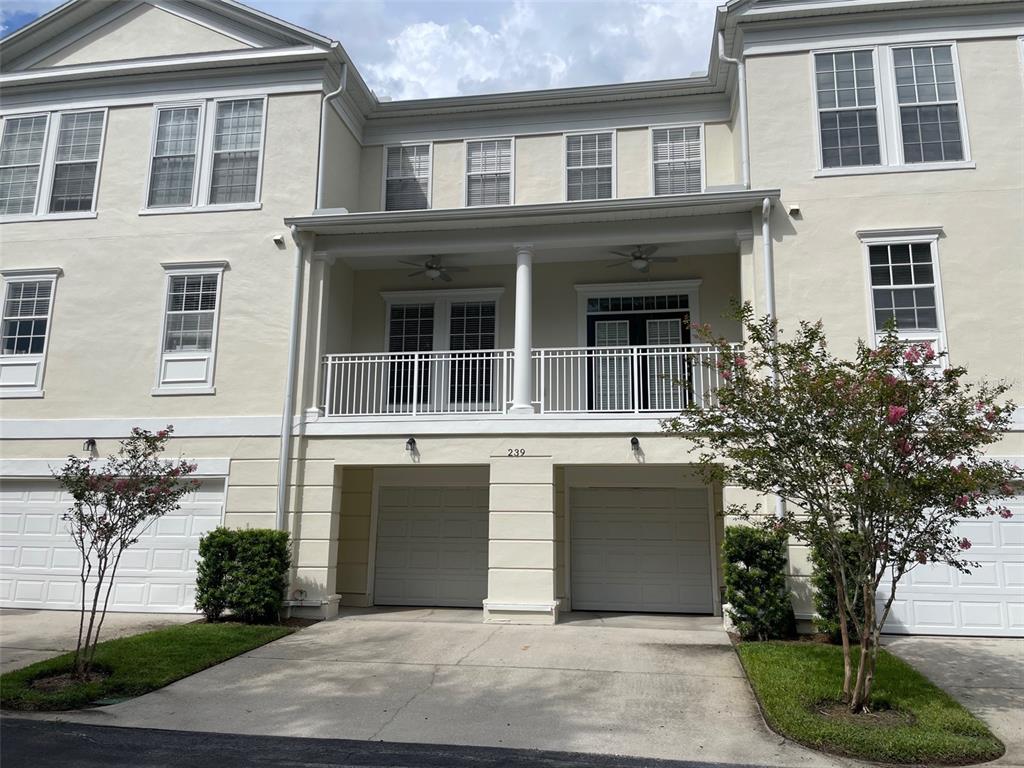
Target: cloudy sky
[408, 49]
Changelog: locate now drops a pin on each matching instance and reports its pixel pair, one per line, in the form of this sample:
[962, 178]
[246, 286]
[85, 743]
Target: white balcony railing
[661, 379]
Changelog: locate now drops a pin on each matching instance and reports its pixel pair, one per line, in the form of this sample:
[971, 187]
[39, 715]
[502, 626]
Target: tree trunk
[844, 633]
[85, 662]
[866, 665]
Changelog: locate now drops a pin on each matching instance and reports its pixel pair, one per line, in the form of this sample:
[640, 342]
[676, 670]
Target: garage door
[431, 547]
[640, 549]
[989, 601]
[39, 562]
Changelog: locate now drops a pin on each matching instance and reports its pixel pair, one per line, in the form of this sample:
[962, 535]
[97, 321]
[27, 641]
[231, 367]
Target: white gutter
[741, 97]
[288, 416]
[342, 81]
[769, 302]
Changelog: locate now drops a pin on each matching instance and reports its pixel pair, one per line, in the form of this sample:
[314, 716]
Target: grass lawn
[136, 665]
[912, 720]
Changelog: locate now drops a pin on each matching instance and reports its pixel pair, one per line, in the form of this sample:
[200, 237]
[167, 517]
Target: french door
[636, 362]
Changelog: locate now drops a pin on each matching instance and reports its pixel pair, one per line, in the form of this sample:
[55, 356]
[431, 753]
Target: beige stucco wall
[371, 179]
[447, 182]
[539, 176]
[820, 266]
[108, 305]
[633, 162]
[555, 318]
[342, 157]
[720, 155]
[142, 32]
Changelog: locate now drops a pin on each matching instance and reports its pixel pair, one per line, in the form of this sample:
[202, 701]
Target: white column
[522, 382]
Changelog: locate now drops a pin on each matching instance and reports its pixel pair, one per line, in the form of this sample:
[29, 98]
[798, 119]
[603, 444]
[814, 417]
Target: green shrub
[245, 572]
[755, 583]
[825, 596]
[216, 553]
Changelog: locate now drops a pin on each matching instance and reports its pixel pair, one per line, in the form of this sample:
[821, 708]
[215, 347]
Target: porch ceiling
[717, 217]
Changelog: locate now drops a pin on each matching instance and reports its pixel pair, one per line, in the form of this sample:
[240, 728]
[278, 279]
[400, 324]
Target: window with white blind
[489, 172]
[49, 164]
[189, 336]
[25, 329]
[207, 155]
[589, 166]
[678, 156]
[913, 91]
[407, 177]
[906, 293]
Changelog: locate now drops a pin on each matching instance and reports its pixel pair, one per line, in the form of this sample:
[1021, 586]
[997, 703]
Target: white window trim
[430, 173]
[586, 291]
[887, 108]
[615, 163]
[38, 360]
[199, 386]
[928, 235]
[466, 174]
[442, 301]
[703, 156]
[201, 179]
[47, 162]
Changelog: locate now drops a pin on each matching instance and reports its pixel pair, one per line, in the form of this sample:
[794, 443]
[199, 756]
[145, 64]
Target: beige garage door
[431, 546]
[640, 549]
[39, 564]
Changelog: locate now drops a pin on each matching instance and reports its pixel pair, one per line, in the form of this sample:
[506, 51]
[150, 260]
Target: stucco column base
[313, 609]
[522, 410]
[496, 612]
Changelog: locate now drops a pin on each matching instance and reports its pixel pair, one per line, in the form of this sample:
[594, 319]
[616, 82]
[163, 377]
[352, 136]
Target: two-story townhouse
[474, 312]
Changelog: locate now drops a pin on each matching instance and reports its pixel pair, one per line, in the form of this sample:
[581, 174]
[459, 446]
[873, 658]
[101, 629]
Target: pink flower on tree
[848, 467]
[1005, 513]
[904, 446]
[912, 354]
[964, 544]
[740, 362]
[929, 353]
[896, 412]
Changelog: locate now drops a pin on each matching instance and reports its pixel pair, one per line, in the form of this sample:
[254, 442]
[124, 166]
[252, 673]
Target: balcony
[650, 379]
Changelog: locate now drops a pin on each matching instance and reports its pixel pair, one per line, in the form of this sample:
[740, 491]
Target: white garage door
[39, 563]
[431, 547]
[938, 600]
[640, 549]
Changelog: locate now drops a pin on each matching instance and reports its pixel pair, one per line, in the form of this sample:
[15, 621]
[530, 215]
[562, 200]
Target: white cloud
[418, 50]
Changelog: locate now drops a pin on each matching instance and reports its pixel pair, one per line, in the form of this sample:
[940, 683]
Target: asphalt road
[44, 744]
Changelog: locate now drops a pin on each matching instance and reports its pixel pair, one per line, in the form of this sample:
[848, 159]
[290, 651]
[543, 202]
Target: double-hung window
[904, 284]
[489, 172]
[188, 342]
[589, 166]
[678, 160]
[407, 177]
[889, 108]
[929, 104]
[49, 164]
[207, 155]
[847, 108]
[25, 327]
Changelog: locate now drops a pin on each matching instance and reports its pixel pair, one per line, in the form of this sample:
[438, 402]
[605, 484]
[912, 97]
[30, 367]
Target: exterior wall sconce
[89, 446]
[638, 452]
[411, 449]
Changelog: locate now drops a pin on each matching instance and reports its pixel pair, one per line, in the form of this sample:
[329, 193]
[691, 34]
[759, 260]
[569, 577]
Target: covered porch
[556, 312]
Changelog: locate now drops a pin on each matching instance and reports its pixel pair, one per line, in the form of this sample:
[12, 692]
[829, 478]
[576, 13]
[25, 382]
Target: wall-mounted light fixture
[410, 445]
[634, 443]
[89, 446]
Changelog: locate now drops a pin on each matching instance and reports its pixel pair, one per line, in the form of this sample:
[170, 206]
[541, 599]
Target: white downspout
[342, 81]
[741, 97]
[769, 299]
[288, 416]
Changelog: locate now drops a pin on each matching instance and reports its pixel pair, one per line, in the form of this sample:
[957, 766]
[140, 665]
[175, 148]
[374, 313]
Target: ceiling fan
[434, 269]
[641, 258]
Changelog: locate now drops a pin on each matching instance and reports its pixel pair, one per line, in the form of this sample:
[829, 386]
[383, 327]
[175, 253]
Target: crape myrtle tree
[876, 459]
[114, 502]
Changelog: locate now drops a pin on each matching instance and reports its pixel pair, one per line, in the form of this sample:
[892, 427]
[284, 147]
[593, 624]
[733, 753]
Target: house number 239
[516, 453]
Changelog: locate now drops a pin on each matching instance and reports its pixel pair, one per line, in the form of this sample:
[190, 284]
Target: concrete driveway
[985, 674]
[668, 687]
[30, 636]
